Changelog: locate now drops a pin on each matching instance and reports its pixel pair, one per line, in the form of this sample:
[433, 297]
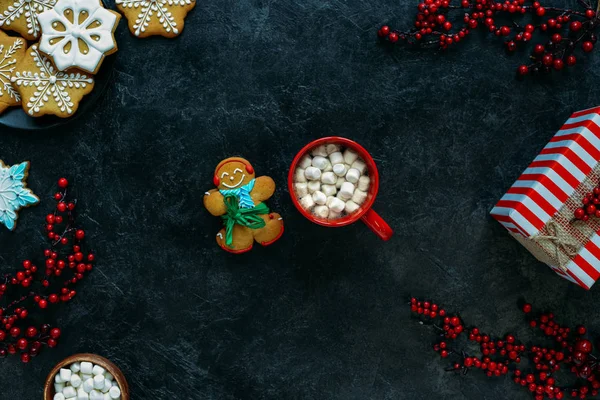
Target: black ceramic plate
[16, 117]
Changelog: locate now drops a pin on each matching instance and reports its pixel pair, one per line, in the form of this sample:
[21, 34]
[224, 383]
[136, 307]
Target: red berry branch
[590, 205]
[568, 29]
[32, 291]
[569, 351]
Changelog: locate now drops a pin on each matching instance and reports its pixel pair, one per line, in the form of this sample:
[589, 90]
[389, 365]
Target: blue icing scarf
[242, 193]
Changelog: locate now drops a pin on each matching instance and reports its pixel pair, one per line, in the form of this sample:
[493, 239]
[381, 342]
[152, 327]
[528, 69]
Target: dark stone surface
[321, 314]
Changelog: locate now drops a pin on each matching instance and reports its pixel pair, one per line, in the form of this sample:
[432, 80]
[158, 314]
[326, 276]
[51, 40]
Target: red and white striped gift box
[560, 173]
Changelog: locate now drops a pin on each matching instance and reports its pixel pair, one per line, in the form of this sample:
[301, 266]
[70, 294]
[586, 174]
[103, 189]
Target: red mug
[365, 213]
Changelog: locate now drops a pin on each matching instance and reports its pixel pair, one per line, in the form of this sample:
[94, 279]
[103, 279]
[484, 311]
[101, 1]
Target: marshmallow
[319, 197]
[107, 396]
[363, 183]
[350, 156]
[88, 385]
[75, 367]
[98, 370]
[328, 202]
[329, 167]
[321, 211]
[65, 374]
[353, 175]
[306, 202]
[86, 367]
[340, 181]
[346, 191]
[337, 205]
[320, 162]
[334, 214]
[336, 158]
[340, 169]
[108, 376]
[360, 165]
[305, 162]
[301, 189]
[107, 385]
[328, 178]
[59, 396]
[329, 190]
[351, 207]
[69, 392]
[299, 175]
[312, 173]
[75, 380]
[82, 394]
[85, 377]
[96, 395]
[332, 148]
[313, 186]
[114, 392]
[58, 379]
[359, 196]
[98, 381]
[319, 151]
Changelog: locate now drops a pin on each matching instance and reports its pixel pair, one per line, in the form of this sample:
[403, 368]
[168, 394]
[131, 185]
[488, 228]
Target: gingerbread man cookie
[238, 200]
[155, 17]
[12, 49]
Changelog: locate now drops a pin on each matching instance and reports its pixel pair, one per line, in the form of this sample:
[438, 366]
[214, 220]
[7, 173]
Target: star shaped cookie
[21, 16]
[14, 193]
[155, 17]
[12, 49]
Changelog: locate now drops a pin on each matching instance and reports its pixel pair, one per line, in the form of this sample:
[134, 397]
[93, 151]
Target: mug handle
[377, 224]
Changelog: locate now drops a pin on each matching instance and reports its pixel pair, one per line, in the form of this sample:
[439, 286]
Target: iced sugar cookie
[45, 90]
[21, 16]
[11, 50]
[14, 193]
[78, 34]
[155, 17]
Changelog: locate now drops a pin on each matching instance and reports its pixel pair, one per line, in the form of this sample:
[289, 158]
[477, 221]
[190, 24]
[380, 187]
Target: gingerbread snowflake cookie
[21, 16]
[78, 34]
[14, 193]
[11, 50]
[155, 17]
[45, 90]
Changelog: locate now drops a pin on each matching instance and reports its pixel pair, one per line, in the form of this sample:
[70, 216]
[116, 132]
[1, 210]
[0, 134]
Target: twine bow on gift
[248, 217]
[565, 246]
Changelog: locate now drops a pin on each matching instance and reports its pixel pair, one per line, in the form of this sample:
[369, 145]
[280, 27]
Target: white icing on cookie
[50, 83]
[29, 9]
[92, 26]
[14, 193]
[159, 8]
[7, 66]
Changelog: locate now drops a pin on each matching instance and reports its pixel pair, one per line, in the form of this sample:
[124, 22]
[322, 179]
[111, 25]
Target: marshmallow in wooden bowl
[86, 377]
[331, 181]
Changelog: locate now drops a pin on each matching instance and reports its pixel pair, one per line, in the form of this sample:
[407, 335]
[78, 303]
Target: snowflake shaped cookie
[14, 193]
[155, 17]
[11, 50]
[21, 16]
[45, 90]
[78, 33]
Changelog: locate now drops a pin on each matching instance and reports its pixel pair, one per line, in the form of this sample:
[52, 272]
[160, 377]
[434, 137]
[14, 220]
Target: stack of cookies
[68, 41]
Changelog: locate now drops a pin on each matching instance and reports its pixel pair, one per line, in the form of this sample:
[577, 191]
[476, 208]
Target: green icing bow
[248, 217]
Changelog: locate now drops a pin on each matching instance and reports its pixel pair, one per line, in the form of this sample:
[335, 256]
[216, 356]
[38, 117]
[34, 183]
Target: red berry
[63, 183]
[590, 13]
[556, 38]
[540, 11]
[523, 70]
[571, 60]
[80, 234]
[558, 64]
[588, 46]
[591, 209]
[547, 59]
[575, 26]
[393, 37]
[43, 303]
[505, 31]
[444, 353]
[538, 49]
[62, 207]
[25, 357]
[384, 31]
[55, 333]
[584, 346]
[527, 308]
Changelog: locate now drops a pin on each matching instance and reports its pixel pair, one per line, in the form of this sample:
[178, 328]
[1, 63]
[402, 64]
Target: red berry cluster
[31, 290]
[568, 29]
[570, 350]
[591, 205]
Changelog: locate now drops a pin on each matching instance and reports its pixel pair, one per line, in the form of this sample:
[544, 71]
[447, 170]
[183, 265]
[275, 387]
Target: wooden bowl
[95, 359]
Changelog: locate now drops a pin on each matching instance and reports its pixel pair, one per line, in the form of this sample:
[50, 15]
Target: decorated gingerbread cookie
[11, 50]
[14, 193]
[45, 90]
[238, 200]
[155, 17]
[21, 16]
[78, 34]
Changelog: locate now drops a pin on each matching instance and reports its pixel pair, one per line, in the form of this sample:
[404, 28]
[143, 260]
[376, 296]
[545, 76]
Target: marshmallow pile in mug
[85, 381]
[332, 182]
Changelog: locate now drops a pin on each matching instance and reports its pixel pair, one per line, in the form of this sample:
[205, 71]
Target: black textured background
[321, 314]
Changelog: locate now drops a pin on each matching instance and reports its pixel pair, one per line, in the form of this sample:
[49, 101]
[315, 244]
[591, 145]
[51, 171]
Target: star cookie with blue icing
[14, 193]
